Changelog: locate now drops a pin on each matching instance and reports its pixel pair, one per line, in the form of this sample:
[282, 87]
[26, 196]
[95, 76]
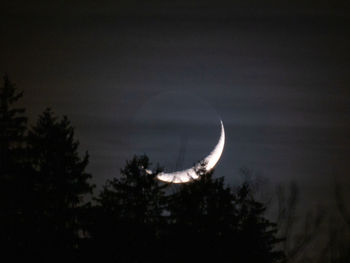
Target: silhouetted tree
[12, 183]
[137, 220]
[12, 125]
[202, 219]
[59, 182]
[129, 214]
[209, 221]
[257, 235]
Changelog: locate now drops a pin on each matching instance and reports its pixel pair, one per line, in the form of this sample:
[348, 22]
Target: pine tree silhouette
[210, 221]
[201, 221]
[129, 215]
[59, 182]
[12, 182]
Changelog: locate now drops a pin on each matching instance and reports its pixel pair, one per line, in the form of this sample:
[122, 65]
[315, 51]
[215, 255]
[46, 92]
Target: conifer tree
[59, 182]
[12, 183]
[213, 222]
[129, 214]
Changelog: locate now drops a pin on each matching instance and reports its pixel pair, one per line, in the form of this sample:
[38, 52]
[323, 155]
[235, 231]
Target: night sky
[154, 77]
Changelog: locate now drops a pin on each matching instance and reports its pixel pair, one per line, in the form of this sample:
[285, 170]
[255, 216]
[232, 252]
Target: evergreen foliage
[58, 183]
[12, 129]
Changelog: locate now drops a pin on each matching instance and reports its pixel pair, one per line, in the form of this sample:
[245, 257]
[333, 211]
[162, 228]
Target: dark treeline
[134, 218]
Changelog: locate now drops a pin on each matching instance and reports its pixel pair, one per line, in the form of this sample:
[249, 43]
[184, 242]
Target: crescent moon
[193, 173]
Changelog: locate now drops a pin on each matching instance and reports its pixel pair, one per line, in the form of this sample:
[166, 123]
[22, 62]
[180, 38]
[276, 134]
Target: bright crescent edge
[190, 174]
